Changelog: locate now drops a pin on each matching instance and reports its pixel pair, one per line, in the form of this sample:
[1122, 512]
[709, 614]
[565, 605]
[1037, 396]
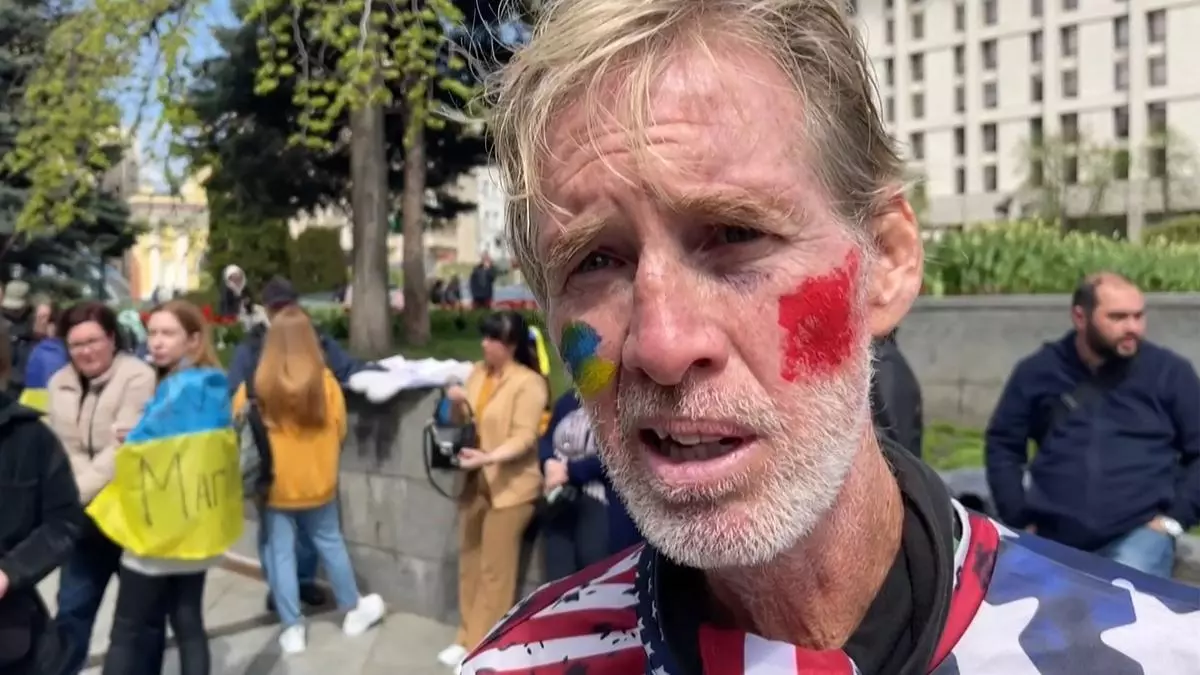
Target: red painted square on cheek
[818, 323]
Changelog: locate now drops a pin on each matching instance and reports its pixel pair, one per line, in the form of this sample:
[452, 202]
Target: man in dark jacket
[483, 283]
[1115, 421]
[40, 520]
[276, 295]
[896, 397]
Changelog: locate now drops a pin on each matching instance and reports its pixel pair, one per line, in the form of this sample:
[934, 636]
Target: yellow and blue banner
[177, 489]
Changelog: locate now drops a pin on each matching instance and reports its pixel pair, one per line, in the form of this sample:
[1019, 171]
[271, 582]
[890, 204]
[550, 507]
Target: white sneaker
[369, 612]
[292, 640]
[452, 656]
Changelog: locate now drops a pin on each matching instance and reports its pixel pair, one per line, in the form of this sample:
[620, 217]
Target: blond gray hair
[577, 44]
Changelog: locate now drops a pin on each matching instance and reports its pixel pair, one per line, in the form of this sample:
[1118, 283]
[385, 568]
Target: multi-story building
[967, 86]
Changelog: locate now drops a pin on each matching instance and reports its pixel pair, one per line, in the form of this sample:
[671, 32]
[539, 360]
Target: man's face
[710, 306]
[236, 279]
[41, 320]
[1116, 327]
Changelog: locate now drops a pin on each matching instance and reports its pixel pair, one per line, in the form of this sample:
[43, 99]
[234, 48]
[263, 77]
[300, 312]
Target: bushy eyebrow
[732, 210]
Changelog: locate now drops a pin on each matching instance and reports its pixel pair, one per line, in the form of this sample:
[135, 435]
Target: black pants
[144, 606]
[576, 537]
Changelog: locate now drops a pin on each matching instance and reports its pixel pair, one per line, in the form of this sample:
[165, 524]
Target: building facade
[969, 86]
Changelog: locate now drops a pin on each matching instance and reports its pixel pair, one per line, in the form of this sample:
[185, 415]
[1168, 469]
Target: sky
[154, 147]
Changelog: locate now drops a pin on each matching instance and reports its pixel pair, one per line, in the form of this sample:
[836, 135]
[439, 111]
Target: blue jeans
[322, 526]
[1145, 550]
[306, 558]
[81, 585]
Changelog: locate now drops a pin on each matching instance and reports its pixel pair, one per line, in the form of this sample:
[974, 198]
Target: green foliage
[259, 245]
[1035, 257]
[317, 261]
[69, 116]
[371, 48]
[946, 447]
[1179, 230]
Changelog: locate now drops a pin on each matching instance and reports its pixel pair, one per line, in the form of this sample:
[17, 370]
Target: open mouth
[690, 447]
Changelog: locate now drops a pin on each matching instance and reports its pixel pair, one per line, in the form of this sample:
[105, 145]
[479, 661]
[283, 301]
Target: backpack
[254, 448]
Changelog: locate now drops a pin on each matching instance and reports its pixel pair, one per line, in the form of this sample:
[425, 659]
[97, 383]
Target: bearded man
[712, 216]
[1117, 428]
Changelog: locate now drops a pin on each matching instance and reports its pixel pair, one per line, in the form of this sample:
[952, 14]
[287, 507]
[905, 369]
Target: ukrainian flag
[177, 489]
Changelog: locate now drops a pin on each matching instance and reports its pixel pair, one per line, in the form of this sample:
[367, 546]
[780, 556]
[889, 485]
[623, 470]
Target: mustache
[639, 399]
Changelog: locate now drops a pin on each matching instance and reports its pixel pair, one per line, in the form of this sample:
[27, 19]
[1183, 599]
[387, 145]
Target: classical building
[169, 257]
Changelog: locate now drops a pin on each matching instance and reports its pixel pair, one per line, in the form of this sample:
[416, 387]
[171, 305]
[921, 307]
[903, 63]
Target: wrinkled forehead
[736, 108]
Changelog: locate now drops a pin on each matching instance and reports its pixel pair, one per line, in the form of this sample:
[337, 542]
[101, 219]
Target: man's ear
[896, 275]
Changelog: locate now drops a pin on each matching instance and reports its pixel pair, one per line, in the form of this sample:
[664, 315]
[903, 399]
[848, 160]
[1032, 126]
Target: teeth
[686, 439]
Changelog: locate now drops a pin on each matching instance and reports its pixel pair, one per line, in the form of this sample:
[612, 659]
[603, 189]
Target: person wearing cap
[277, 295]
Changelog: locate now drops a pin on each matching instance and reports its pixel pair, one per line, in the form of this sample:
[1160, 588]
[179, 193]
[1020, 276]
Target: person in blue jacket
[1116, 424]
[49, 355]
[585, 521]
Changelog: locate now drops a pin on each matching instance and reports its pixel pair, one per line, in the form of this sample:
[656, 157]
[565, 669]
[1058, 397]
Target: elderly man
[711, 214]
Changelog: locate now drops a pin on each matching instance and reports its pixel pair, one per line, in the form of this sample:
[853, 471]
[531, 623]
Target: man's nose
[671, 332]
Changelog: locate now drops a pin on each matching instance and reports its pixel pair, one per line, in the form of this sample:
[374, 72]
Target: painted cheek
[818, 323]
[592, 373]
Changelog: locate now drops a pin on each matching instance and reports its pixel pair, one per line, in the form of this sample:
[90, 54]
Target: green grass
[945, 446]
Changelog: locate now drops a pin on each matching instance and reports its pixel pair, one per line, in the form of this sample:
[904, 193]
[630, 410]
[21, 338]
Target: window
[1156, 26]
[888, 4]
[916, 67]
[989, 137]
[1121, 75]
[1158, 70]
[889, 31]
[1071, 170]
[1068, 40]
[1069, 124]
[960, 141]
[1158, 162]
[1035, 131]
[1036, 89]
[917, 25]
[960, 99]
[918, 105]
[1070, 83]
[889, 71]
[1121, 32]
[889, 110]
[852, 7]
[1035, 47]
[960, 181]
[916, 145]
[1035, 9]
[987, 50]
[1121, 161]
[960, 59]
[1156, 118]
[960, 17]
[990, 97]
[1121, 121]
[989, 178]
[1070, 5]
[1037, 173]
[989, 13]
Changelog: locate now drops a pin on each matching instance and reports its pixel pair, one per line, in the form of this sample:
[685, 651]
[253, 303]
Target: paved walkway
[243, 636]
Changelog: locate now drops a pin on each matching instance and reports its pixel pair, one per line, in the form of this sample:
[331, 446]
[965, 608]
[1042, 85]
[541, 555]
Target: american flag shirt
[1021, 606]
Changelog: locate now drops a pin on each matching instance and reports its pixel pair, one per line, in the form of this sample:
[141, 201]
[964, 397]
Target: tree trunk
[370, 311]
[416, 295]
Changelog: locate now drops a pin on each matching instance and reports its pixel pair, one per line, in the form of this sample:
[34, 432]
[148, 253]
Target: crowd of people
[86, 379]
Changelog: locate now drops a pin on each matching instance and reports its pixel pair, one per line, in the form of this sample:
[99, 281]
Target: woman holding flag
[175, 504]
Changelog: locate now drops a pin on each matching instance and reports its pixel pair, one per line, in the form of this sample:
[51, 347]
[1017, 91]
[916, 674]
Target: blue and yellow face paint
[592, 374]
